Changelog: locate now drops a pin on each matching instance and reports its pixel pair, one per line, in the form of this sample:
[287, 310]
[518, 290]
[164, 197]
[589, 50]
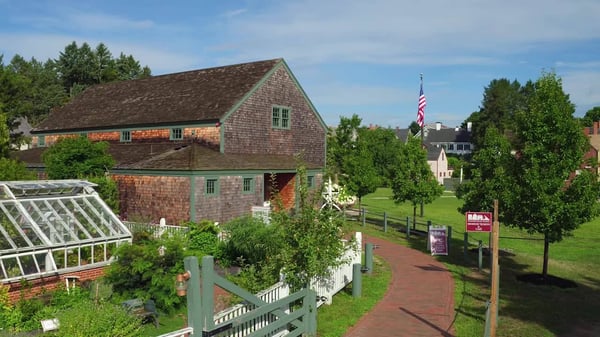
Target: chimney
[438, 126]
[596, 125]
[469, 126]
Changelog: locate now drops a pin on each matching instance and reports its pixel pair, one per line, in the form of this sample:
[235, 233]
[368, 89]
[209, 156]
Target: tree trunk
[414, 216]
[546, 248]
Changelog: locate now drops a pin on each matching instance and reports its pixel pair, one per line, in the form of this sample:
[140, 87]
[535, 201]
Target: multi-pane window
[83, 135]
[281, 117]
[450, 146]
[176, 134]
[248, 185]
[310, 182]
[41, 141]
[126, 136]
[212, 186]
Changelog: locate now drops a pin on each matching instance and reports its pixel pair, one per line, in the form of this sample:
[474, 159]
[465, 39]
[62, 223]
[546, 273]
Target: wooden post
[384, 222]
[495, 278]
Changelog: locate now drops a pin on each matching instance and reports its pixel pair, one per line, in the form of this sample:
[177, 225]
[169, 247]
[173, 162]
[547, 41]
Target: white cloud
[582, 87]
[99, 21]
[409, 32]
[43, 47]
[356, 95]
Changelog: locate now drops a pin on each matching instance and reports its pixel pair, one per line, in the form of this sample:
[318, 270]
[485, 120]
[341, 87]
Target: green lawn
[525, 310]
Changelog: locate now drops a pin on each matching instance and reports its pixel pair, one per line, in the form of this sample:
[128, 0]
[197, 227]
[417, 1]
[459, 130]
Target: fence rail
[324, 288]
[156, 230]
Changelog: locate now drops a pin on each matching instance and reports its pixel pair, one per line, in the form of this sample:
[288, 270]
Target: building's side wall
[149, 198]
[231, 202]
[249, 129]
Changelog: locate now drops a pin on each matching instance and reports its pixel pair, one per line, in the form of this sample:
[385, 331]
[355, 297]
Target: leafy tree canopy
[14, 170]
[77, 157]
[413, 180]
[591, 116]
[533, 174]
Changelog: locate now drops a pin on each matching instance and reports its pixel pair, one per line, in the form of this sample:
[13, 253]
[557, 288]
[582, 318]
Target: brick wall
[248, 130]
[153, 197]
[36, 286]
[210, 135]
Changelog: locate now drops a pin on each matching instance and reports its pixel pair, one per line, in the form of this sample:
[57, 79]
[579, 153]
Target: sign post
[495, 270]
[479, 221]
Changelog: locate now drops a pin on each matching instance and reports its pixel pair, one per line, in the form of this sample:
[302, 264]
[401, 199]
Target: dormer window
[176, 134]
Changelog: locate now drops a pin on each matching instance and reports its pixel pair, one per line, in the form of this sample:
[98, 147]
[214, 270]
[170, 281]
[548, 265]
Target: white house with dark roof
[452, 140]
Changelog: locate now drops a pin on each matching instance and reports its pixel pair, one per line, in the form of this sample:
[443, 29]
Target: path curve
[419, 301]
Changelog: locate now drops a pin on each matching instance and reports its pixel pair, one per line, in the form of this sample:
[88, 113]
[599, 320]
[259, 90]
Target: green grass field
[525, 309]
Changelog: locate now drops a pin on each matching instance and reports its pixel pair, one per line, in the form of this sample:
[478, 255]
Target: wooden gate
[294, 315]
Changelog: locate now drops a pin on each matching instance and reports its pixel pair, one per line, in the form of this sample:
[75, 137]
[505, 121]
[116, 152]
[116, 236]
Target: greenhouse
[54, 226]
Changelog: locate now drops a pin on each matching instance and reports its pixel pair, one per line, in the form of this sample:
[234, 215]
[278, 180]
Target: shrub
[202, 238]
[140, 271]
[249, 241]
[104, 319]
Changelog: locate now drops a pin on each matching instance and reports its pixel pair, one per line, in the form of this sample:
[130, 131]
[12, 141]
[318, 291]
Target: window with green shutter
[125, 136]
[212, 186]
[280, 118]
[176, 134]
[248, 185]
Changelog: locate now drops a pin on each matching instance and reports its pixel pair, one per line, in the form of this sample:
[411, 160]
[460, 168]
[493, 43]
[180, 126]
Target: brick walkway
[419, 301]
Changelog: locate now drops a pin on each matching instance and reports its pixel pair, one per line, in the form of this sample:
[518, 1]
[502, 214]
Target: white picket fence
[339, 278]
[157, 230]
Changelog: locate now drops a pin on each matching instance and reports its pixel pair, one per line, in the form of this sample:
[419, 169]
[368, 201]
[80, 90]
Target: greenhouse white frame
[54, 226]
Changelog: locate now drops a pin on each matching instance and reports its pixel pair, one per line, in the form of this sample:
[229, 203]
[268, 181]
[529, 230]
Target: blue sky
[351, 57]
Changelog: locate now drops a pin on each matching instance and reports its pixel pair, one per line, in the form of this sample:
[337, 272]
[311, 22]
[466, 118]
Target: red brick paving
[419, 301]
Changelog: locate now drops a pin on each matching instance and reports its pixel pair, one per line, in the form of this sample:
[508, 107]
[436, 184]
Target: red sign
[479, 221]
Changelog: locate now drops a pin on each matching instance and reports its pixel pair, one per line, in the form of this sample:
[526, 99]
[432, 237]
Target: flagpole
[422, 135]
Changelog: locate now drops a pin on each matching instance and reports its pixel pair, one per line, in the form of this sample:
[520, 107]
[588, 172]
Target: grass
[168, 323]
[525, 310]
[335, 319]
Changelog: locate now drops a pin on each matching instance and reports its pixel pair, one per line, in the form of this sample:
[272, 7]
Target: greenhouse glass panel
[51, 226]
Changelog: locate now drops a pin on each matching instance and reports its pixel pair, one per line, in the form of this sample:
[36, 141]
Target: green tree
[80, 67]
[591, 116]
[360, 175]
[413, 180]
[339, 140]
[312, 238]
[13, 170]
[501, 101]
[41, 90]
[4, 135]
[351, 157]
[77, 157]
[384, 146]
[108, 190]
[550, 149]
[414, 128]
[128, 68]
[536, 185]
[75, 66]
[490, 178]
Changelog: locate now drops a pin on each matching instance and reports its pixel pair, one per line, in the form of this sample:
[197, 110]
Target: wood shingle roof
[204, 95]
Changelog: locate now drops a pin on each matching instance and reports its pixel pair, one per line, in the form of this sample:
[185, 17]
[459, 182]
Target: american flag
[422, 104]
